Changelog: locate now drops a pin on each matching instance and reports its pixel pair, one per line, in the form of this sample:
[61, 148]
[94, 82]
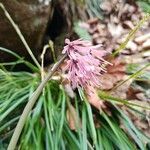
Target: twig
[51, 45]
[42, 61]
[20, 35]
[30, 104]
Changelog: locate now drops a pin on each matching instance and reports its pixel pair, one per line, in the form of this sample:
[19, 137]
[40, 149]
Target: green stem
[30, 104]
[136, 74]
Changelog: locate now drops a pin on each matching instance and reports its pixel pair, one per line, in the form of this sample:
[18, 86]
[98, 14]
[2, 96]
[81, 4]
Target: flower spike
[85, 63]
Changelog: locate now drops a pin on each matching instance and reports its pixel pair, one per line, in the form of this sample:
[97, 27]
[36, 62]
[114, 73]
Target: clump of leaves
[48, 126]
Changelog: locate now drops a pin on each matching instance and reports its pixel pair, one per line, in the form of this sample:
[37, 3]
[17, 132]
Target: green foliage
[81, 32]
[145, 5]
[47, 126]
[134, 68]
[15, 91]
[19, 60]
[93, 8]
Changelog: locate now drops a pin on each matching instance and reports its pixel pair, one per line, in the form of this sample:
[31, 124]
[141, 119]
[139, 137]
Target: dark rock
[32, 17]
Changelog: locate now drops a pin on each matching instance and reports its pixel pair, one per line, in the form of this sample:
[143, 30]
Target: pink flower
[85, 63]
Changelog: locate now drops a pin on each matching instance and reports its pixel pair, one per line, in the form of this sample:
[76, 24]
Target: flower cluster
[85, 64]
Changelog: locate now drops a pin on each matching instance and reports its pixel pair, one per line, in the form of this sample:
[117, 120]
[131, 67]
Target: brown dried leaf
[93, 98]
[146, 44]
[115, 73]
[68, 89]
[72, 118]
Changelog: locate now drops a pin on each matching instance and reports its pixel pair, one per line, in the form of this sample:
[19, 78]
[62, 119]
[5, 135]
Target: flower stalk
[30, 104]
